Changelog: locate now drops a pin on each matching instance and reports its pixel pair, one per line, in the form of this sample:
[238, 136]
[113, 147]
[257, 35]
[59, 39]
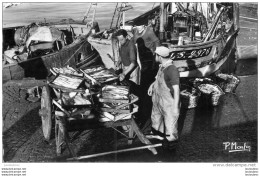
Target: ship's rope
[86, 14]
[119, 16]
[75, 52]
[94, 14]
[113, 16]
[153, 5]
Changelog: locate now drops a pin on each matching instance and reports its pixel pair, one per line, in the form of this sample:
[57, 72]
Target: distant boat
[7, 5]
[200, 44]
[30, 51]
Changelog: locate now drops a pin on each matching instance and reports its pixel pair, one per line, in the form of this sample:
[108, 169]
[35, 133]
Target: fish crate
[211, 93]
[67, 81]
[115, 94]
[67, 70]
[94, 68]
[100, 75]
[189, 96]
[227, 82]
[119, 110]
[118, 107]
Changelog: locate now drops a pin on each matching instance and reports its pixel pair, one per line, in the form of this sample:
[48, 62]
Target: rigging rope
[153, 5]
[94, 14]
[113, 16]
[75, 52]
[86, 14]
[119, 15]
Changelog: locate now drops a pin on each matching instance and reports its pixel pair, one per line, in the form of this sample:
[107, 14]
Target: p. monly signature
[237, 146]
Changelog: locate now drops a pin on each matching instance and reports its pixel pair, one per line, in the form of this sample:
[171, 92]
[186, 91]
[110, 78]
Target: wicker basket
[189, 96]
[228, 83]
[212, 92]
[197, 81]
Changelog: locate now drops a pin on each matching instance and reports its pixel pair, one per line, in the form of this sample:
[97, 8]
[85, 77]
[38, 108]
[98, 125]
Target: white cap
[140, 28]
[162, 51]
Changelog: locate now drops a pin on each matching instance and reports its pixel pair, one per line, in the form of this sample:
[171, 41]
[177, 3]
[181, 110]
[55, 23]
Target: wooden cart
[52, 109]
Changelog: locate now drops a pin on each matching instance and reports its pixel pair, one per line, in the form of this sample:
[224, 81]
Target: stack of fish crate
[117, 103]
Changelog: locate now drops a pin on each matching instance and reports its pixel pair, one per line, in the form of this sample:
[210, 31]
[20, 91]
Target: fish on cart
[99, 75]
[115, 92]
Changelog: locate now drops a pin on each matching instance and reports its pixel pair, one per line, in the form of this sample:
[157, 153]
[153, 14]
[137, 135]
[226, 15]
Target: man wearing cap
[165, 94]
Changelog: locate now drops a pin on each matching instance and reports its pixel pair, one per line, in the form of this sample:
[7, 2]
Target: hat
[140, 28]
[162, 51]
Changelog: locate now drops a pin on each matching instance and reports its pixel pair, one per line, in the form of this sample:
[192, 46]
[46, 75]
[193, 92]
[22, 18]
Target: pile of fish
[103, 76]
[113, 105]
[76, 98]
[100, 74]
[94, 69]
[111, 102]
[212, 87]
[67, 81]
[67, 70]
[115, 92]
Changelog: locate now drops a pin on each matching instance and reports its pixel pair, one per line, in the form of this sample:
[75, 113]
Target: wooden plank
[65, 88]
[89, 77]
[103, 100]
[141, 136]
[131, 135]
[67, 81]
[116, 151]
[61, 108]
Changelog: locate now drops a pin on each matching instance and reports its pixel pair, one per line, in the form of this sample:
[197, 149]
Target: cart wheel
[59, 135]
[45, 112]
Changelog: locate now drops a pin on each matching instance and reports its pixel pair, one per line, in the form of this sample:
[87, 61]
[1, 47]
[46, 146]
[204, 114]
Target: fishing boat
[201, 37]
[31, 50]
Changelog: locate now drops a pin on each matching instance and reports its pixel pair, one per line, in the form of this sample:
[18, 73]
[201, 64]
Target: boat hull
[206, 58]
[78, 54]
[105, 50]
[195, 60]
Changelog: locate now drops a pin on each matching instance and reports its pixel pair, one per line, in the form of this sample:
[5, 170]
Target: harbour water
[26, 13]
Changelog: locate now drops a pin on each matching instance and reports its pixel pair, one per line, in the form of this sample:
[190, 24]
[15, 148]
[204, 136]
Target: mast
[213, 26]
[161, 30]
[236, 15]
[123, 20]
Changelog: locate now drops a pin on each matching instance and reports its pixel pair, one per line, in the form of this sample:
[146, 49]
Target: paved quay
[203, 132]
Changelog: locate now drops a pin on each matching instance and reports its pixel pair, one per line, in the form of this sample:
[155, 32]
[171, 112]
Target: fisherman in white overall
[165, 94]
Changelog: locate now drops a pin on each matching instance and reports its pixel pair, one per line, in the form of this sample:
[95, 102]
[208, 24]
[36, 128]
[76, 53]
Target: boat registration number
[190, 54]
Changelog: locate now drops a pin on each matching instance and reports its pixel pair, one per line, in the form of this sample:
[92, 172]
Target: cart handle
[60, 107]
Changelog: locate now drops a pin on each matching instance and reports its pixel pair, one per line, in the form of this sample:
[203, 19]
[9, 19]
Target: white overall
[163, 117]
